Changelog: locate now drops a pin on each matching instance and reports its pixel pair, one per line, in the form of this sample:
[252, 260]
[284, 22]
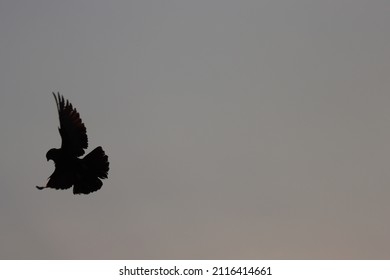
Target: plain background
[234, 129]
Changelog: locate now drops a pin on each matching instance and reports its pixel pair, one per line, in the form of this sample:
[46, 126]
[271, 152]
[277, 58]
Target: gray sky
[234, 129]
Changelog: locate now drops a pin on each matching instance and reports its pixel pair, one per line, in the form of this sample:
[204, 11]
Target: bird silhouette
[84, 174]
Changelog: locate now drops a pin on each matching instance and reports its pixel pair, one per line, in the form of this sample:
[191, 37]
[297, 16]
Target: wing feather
[72, 129]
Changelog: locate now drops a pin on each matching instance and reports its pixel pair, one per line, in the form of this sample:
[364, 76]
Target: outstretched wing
[72, 130]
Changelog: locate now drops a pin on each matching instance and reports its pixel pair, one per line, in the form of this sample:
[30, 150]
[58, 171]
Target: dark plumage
[83, 174]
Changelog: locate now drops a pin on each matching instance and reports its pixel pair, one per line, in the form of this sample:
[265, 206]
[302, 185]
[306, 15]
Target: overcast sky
[234, 129]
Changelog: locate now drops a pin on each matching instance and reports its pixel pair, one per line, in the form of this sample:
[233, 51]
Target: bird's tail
[97, 161]
[96, 166]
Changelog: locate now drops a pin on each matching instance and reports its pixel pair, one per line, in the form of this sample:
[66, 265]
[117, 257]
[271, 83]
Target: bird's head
[52, 154]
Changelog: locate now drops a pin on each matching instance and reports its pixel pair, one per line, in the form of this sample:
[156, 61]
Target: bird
[84, 174]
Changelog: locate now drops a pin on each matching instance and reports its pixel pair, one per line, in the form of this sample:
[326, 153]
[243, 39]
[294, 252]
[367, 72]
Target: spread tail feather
[96, 166]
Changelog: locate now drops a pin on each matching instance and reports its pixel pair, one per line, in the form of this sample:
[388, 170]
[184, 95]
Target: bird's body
[83, 174]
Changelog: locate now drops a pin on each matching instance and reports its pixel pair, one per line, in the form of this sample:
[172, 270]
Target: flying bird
[83, 174]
